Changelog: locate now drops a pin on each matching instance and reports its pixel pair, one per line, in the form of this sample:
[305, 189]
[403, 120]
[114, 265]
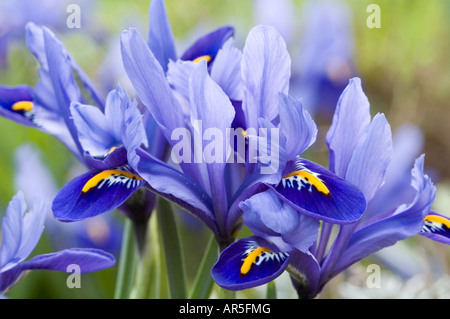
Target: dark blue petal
[248, 263]
[9, 96]
[94, 193]
[315, 191]
[209, 44]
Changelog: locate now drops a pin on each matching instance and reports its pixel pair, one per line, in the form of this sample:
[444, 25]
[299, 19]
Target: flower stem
[127, 263]
[203, 282]
[172, 250]
[271, 292]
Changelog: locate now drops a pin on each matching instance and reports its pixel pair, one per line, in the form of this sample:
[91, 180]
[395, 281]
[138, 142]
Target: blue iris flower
[212, 190]
[21, 231]
[361, 151]
[106, 136]
[46, 106]
[33, 178]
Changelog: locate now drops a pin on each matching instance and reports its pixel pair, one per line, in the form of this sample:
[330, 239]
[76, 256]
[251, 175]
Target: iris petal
[317, 192]
[88, 260]
[209, 44]
[248, 263]
[94, 193]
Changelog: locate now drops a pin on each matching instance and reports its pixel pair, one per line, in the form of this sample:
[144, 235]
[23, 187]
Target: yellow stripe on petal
[24, 106]
[113, 176]
[251, 258]
[311, 179]
[437, 219]
[207, 58]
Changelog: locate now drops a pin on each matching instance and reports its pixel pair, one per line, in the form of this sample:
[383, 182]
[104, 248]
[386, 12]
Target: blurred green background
[404, 67]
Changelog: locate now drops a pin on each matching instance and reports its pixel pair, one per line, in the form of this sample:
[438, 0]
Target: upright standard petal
[226, 70]
[266, 70]
[313, 190]
[371, 158]
[211, 106]
[296, 125]
[350, 121]
[248, 263]
[160, 37]
[148, 78]
[407, 220]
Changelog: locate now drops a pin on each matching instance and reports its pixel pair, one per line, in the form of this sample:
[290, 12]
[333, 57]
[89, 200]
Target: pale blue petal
[371, 157]
[296, 125]
[160, 36]
[266, 70]
[226, 70]
[350, 121]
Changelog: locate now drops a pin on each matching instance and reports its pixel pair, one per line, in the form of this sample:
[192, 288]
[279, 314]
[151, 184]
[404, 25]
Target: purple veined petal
[317, 192]
[149, 80]
[436, 227]
[37, 45]
[226, 70]
[21, 231]
[16, 104]
[248, 263]
[94, 131]
[211, 106]
[371, 157]
[94, 193]
[350, 121]
[117, 103]
[406, 221]
[208, 45]
[296, 125]
[160, 37]
[178, 75]
[407, 146]
[85, 260]
[269, 217]
[266, 70]
[64, 85]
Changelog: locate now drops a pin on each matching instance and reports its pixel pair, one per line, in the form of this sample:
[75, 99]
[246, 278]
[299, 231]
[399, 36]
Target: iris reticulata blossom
[360, 152]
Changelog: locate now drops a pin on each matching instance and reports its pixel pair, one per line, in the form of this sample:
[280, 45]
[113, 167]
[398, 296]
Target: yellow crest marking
[438, 219]
[207, 58]
[97, 179]
[310, 178]
[251, 258]
[22, 106]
